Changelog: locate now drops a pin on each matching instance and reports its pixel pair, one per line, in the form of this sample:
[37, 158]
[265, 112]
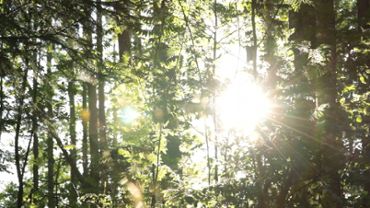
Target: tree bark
[363, 14]
[215, 15]
[101, 78]
[85, 163]
[35, 146]
[254, 33]
[124, 38]
[16, 138]
[1, 104]
[363, 17]
[72, 134]
[49, 140]
[333, 157]
[93, 137]
[93, 114]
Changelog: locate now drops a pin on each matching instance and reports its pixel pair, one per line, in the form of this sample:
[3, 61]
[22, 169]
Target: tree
[86, 128]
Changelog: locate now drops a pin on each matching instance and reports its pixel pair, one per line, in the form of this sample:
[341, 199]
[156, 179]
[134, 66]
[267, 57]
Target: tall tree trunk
[363, 14]
[254, 33]
[260, 183]
[93, 137]
[159, 56]
[93, 130]
[124, 38]
[215, 15]
[35, 146]
[269, 13]
[2, 75]
[363, 17]
[16, 138]
[101, 78]
[56, 178]
[333, 157]
[124, 47]
[93, 114]
[270, 43]
[72, 134]
[101, 95]
[84, 113]
[49, 140]
[1, 103]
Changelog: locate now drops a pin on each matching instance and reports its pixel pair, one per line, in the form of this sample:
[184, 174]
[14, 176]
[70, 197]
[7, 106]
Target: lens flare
[128, 114]
[242, 106]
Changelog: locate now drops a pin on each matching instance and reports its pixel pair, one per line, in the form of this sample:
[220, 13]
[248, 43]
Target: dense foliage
[114, 103]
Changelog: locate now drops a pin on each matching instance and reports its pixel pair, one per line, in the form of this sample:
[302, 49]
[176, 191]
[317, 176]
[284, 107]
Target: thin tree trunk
[209, 167]
[254, 33]
[260, 183]
[50, 141]
[214, 94]
[16, 139]
[72, 133]
[35, 146]
[2, 75]
[82, 179]
[101, 93]
[93, 137]
[57, 173]
[1, 103]
[84, 130]
[156, 172]
[158, 10]
[284, 189]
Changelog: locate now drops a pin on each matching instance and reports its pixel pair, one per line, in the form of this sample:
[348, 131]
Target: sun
[242, 105]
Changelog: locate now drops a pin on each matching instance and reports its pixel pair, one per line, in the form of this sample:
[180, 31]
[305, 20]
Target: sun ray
[242, 105]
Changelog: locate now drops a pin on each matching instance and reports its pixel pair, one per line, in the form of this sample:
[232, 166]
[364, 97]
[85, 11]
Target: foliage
[114, 103]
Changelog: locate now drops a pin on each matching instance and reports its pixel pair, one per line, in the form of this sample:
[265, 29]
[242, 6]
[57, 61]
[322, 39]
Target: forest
[185, 103]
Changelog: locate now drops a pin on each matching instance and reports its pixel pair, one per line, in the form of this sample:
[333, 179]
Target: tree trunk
[49, 140]
[101, 96]
[35, 146]
[332, 156]
[16, 138]
[254, 33]
[363, 17]
[93, 116]
[1, 103]
[72, 134]
[101, 93]
[93, 137]
[124, 38]
[363, 14]
[124, 47]
[214, 92]
[270, 43]
[284, 189]
[84, 113]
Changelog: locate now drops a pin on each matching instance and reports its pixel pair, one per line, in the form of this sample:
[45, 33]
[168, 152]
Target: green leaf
[342, 100]
[123, 153]
[362, 80]
[69, 147]
[359, 119]
[349, 88]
